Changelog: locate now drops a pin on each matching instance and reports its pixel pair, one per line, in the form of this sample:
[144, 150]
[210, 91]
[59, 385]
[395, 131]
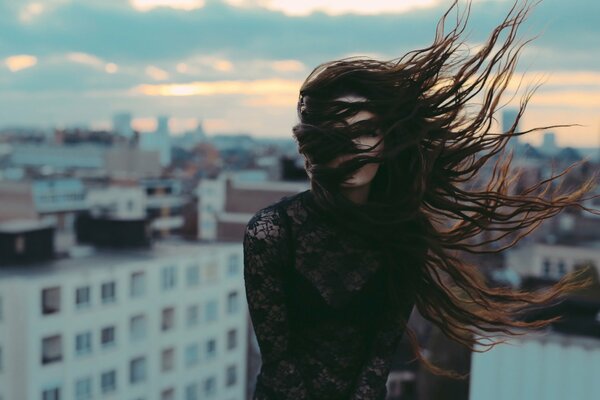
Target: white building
[549, 366]
[552, 260]
[226, 204]
[117, 201]
[164, 201]
[165, 323]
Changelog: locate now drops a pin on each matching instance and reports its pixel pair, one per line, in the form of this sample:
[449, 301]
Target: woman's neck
[356, 194]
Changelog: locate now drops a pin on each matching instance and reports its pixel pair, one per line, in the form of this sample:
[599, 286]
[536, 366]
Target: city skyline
[238, 65]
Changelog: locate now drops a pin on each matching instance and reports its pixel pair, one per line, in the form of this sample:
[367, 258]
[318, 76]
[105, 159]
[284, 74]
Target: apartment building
[552, 261]
[163, 323]
[545, 365]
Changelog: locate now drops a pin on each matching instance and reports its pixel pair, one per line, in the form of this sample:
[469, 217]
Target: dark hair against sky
[435, 109]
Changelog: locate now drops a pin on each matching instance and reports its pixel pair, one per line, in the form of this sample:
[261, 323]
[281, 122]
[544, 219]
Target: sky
[237, 65]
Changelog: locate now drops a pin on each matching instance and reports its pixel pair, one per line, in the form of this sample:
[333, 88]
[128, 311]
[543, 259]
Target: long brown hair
[427, 203]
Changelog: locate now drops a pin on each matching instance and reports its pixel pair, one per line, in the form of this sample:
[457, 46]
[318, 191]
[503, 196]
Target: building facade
[159, 324]
[542, 366]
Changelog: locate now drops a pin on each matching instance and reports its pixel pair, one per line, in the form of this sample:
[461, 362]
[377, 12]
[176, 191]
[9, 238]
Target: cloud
[272, 100]
[156, 73]
[256, 87]
[576, 99]
[205, 66]
[558, 79]
[334, 7]
[30, 11]
[223, 66]
[147, 5]
[19, 62]
[111, 68]
[124, 35]
[86, 59]
[288, 66]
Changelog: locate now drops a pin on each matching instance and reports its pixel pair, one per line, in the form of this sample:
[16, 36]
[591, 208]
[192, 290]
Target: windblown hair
[428, 202]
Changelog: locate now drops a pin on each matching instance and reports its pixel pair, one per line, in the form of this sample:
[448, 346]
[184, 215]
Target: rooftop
[166, 249]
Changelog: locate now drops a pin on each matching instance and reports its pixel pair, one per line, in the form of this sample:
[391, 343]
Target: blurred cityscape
[121, 271]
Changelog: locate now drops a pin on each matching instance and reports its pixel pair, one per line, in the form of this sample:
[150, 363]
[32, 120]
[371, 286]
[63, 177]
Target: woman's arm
[265, 255]
[371, 381]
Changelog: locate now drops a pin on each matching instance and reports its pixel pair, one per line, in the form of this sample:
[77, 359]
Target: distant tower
[509, 116]
[159, 140]
[163, 139]
[199, 133]
[549, 146]
[162, 125]
[122, 124]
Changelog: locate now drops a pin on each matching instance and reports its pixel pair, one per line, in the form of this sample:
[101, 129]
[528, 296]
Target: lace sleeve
[264, 258]
[371, 381]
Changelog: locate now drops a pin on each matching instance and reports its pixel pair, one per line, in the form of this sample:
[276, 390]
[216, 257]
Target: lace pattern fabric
[316, 300]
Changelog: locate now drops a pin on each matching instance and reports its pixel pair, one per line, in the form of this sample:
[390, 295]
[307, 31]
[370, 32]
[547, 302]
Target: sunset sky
[237, 65]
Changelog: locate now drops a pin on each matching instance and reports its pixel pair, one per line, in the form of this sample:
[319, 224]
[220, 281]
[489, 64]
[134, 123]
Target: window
[83, 343]
[51, 349]
[168, 394]
[167, 359]
[137, 370]
[167, 281]
[108, 292]
[138, 327]
[51, 394]
[210, 386]
[191, 355]
[168, 319]
[107, 336]
[108, 381]
[83, 388]
[231, 339]
[82, 297]
[562, 268]
[191, 392]
[230, 375]
[232, 302]
[192, 315]
[233, 265]
[211, 310]
[192, 275]
[50, 300]
[137, 285]
[546, 267]
[211, 348]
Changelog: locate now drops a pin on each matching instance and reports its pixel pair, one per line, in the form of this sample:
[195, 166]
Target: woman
[395, 155]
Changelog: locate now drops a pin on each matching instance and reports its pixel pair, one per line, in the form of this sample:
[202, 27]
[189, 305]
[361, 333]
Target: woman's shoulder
[293, 199]
[285, 204]
[274, 216]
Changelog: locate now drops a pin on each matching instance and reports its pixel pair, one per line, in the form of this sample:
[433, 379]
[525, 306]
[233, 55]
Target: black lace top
[318, 306]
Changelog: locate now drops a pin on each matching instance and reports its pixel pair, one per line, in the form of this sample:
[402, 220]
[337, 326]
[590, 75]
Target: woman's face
[366, 173]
